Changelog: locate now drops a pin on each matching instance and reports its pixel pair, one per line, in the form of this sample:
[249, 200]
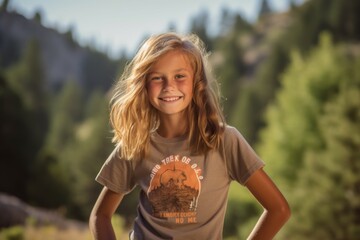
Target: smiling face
[170, 83]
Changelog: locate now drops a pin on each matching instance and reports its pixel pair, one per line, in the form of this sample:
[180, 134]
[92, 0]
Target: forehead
[172, 60]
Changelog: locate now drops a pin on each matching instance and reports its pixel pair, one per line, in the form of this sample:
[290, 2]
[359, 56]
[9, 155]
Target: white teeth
[170, 99]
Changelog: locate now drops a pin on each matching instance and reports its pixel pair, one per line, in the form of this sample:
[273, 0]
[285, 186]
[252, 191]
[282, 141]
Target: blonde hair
[132, 116]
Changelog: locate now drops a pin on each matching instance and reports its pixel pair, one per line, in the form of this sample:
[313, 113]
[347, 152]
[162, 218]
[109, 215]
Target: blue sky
[112, 25]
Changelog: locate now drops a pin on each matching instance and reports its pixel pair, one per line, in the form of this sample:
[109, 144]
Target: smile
[170, 99]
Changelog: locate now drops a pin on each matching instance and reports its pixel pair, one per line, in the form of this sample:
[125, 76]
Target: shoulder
[232, 134]
[233, 139]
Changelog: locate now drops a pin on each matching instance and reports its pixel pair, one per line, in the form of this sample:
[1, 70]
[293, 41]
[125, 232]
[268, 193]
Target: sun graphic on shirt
[174, 188]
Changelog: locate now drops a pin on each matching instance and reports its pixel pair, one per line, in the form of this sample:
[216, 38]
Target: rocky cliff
[63, 59]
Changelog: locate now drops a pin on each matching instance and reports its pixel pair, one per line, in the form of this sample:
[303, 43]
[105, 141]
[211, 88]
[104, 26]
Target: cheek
[151, 90]
[190, 89]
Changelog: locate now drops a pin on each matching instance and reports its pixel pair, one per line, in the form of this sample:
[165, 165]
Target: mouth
[169, 99]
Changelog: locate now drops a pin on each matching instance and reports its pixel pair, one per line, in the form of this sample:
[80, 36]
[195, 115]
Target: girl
[172, 141]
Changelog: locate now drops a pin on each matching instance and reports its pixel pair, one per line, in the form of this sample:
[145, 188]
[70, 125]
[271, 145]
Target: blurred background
[289, 73]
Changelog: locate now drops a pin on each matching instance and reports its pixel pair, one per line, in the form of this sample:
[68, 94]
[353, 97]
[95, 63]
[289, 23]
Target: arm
[100, 217]
[276, 209]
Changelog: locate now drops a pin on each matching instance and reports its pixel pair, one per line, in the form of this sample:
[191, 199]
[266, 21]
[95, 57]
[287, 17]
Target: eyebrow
[175, 71]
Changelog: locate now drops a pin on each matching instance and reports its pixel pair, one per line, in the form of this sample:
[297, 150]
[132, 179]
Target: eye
[155, 78]
[179, 76]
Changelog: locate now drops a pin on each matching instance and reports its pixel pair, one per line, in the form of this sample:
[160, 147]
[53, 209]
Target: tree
[49, 173]
[312, 139]
[226, 22]
[292, 4]
[65, 115]
[247, 111]
[199, 25]
[331, 174]
[99, 72]
[232, 23]
[26, 79]
[4, 6]
[37, 17]
[264, 9]
[231, 70]
[83, 158]
[14, 133]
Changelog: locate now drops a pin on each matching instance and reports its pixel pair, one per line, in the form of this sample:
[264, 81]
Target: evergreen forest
[289, 81]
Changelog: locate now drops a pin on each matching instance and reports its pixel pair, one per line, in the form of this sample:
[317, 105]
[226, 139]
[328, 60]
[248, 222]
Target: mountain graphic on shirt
[174, 189]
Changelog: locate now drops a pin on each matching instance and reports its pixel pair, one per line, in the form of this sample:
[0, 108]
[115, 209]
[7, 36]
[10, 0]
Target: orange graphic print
[174, 189]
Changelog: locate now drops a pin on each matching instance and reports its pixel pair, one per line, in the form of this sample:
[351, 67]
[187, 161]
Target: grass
[32, 232]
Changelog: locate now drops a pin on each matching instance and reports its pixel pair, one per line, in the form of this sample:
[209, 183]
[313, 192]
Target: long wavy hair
[132, 116]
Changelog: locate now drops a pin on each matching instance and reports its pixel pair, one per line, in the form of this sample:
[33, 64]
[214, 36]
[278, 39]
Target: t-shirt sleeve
[117, 174]
[241, 159]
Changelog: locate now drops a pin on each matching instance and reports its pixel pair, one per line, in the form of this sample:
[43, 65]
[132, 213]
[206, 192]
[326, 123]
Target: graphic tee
[182, 196]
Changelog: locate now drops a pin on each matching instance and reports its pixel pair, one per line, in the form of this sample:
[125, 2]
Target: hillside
[62, 58]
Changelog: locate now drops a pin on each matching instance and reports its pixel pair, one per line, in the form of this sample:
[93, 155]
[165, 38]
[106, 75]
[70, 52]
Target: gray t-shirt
[183, 196]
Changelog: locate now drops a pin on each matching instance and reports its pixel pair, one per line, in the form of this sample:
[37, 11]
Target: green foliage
[118, 224]
[48, 184]
[84, 157]
[32, 231]
[13, 233]
[312, 143]
[247, 114]
[331, 174]
[26, 78]
[66, 112]
[241, 214]
[25, 90]
[237, 214]
[14, 130]
[230, 71]
[292, 120]
[338, 17]
[256, 96]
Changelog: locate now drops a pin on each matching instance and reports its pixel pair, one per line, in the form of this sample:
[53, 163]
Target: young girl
[172, 141]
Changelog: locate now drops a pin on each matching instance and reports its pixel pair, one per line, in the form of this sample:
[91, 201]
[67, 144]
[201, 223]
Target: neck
[172, 126]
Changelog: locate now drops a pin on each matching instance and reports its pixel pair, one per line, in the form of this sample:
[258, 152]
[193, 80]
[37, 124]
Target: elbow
[281, 213]
[284, 212]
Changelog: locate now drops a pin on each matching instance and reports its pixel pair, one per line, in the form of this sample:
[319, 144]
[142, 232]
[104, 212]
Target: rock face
[15, 212]
[62, 58]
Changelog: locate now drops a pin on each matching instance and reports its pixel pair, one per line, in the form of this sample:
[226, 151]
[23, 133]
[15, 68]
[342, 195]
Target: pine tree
[65, 115]
[49, 173]
[231, 70]
[264, 9]
[4, 6]
[84, 157]
[311, 143]
[14, 134]
[26, 79]
[331, 175]
[199, 25]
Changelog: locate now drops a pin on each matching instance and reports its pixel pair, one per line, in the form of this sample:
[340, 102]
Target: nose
[168, 85]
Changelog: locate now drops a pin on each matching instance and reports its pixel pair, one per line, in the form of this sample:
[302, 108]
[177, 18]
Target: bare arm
[276, 209]
[100, 217]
